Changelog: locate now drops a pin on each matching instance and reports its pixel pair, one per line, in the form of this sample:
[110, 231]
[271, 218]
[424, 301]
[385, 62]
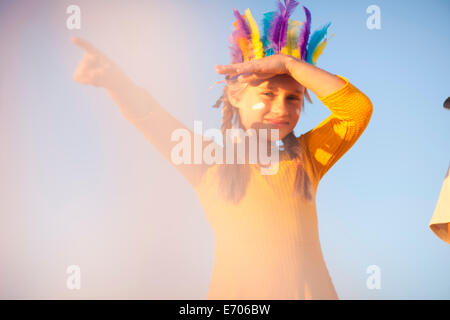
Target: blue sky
[83, 170]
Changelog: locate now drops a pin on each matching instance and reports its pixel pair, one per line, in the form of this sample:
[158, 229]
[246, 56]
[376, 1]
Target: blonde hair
[234, 178]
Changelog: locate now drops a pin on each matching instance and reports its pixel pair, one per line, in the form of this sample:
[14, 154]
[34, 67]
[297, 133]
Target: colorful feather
[235, 50]
[246, 49]
[278, 28]
[291, 47]
[319, 49]
[280, 35]
[316, 38]
[242, 36]
[304, 36]
[241, 24]
[267, 23]
[257, 45]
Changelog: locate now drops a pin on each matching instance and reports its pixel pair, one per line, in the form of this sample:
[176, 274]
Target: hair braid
[302, 183]
[233, 178]
[218, 102]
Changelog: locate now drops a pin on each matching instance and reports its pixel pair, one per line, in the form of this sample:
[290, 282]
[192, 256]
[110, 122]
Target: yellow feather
[320, 48]
[256, 40]
[291, 47]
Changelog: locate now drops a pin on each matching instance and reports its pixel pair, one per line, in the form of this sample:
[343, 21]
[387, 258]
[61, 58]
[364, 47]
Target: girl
[266, 233]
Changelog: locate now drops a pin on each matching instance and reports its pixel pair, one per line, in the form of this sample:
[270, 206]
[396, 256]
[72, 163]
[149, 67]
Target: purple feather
[235, 50]
[275, 32]
[242, 31]
[243, 27]
[290, 7]
[278, 30]
[281, 6]
[304, 36]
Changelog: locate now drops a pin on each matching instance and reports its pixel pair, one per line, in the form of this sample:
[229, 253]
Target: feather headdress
[281, 34]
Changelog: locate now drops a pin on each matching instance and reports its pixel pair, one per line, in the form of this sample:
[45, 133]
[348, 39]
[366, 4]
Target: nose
[279, 108]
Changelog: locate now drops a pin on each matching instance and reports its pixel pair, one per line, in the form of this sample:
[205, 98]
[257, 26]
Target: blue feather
[314, 41]
[267, 23]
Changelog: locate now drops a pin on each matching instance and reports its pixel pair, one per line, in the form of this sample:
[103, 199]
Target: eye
[268, 94]
[293, 98]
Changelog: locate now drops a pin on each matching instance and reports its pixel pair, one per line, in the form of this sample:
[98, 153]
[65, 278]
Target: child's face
[272, 103]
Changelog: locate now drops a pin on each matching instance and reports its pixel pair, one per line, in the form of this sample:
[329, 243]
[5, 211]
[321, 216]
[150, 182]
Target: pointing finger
[86, 45]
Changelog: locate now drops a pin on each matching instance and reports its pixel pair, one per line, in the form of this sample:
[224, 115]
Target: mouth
[277, 122]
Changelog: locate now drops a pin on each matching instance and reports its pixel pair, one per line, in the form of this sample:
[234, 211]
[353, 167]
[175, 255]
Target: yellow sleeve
[440, 221]
[351, 111]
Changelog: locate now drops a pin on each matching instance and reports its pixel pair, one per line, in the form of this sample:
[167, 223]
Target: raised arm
[351, 111]
[136, 105]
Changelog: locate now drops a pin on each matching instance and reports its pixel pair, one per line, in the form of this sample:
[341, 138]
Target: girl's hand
[96, 68]
[259, 69]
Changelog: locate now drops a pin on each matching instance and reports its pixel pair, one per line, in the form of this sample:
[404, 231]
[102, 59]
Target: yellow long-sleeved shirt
[267, 246]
